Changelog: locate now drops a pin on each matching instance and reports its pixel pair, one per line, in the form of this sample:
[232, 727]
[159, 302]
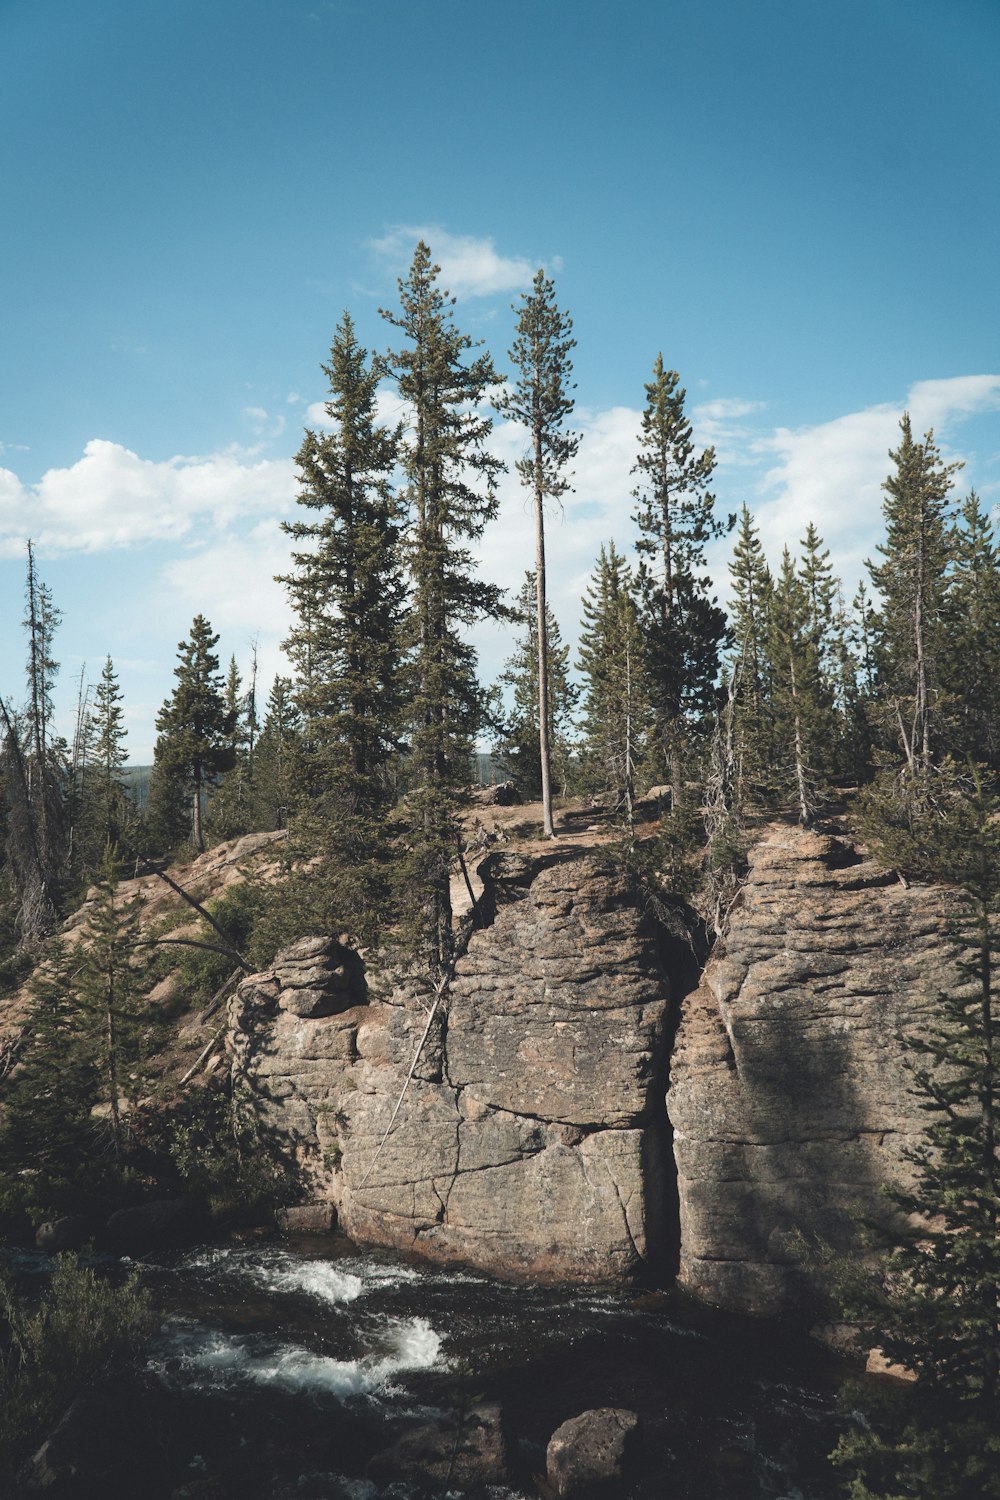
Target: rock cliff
[790, 1099]
[531, 1139]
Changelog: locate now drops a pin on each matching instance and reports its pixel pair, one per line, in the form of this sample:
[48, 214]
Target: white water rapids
[193, 1355]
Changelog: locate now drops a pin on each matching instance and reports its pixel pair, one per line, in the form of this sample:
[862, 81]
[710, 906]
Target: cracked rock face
[789, 1094]
[531, 1141]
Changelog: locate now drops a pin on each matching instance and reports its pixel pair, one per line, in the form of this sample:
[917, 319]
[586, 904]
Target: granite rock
[790, 1098]
[531, 1139]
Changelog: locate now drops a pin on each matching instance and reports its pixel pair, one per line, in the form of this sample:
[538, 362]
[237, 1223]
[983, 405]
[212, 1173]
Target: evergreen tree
[348, 594]
[450, 487]
[682, 623]
[33, 766]
[231, 811]
[799, 700]
[540, 399]
[854, 739]
[106, 804]
[278, 760]
[935, 1307]
[820, 590]
[750, 671]
[193, 744]
[519, 743]
[912, 583]
[64, 1133]
[971, 647]
[615, 701]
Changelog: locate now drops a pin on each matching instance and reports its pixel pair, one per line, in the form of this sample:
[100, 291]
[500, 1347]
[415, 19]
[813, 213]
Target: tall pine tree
[750, 667]
[616, 712]
[682, 623]
[540, 400]
[193, 743]
[348, 594]
[912, 581]
[451, 491]
[971, 646]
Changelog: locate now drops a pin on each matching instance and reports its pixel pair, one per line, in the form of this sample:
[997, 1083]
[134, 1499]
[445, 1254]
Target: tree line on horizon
[779, 706]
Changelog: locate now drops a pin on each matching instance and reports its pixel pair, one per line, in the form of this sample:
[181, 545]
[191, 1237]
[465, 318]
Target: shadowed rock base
[790, 1097]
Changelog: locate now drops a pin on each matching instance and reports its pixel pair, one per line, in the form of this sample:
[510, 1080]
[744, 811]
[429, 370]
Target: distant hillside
[136, 780]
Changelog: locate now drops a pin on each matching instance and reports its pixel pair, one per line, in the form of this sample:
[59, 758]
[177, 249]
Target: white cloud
[832, 473]
[720, 424]
[112, 498]
[470, 267]
[264, 425]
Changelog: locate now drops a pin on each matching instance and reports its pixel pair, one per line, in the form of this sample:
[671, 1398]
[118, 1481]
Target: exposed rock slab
[531, 1139]
[789, 1094]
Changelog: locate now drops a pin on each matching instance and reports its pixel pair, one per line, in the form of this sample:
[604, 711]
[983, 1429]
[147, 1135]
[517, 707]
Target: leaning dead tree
[32, 810]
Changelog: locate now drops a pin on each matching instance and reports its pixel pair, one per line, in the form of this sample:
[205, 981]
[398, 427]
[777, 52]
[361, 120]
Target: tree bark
[543, 645]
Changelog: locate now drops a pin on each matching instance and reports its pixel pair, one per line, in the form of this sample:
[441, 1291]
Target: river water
[283, 1367]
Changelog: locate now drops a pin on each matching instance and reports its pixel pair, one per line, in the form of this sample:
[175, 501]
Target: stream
[283, 1367]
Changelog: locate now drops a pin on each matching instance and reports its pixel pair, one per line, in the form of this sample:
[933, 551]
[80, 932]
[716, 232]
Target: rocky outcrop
[789, 1095]
[531, 1139]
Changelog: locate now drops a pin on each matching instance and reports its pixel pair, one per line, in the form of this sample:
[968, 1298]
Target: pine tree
[750, 671]
[935, 1307]
[912, 583]
[683, 625]
[33, 765]
[971, 647]
[231, 811]
[108, 798]
[820, 588]
[519, 743]
[278, 760]
[65, 1134]
[450, 488]
[193, 746]
[615, 701]
[540, 400]
[799, 699]
[348, 594]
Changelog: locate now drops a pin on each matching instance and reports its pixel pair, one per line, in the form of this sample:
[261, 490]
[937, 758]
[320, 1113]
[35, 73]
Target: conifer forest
[691, 712]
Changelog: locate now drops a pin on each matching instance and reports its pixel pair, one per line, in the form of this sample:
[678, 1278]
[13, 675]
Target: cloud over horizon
[471, 266]
[111, 498]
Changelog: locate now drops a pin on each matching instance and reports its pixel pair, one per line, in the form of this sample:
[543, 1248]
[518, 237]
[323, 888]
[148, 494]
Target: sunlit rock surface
[531, 1140]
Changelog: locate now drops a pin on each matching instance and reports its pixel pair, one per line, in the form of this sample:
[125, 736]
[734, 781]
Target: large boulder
[593, 1456]
[157, 1225]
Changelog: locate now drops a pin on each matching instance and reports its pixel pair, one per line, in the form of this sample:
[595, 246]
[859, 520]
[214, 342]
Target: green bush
[51, 1349]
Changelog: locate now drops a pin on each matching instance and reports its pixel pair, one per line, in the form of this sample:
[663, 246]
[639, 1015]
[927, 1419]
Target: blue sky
[796, 202]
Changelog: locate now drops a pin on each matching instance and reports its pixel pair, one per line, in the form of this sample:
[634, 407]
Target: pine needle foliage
[193, 728]
[912, 581]
[65, 1134]
[540, 400]
[450, 491]
[682, 623]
